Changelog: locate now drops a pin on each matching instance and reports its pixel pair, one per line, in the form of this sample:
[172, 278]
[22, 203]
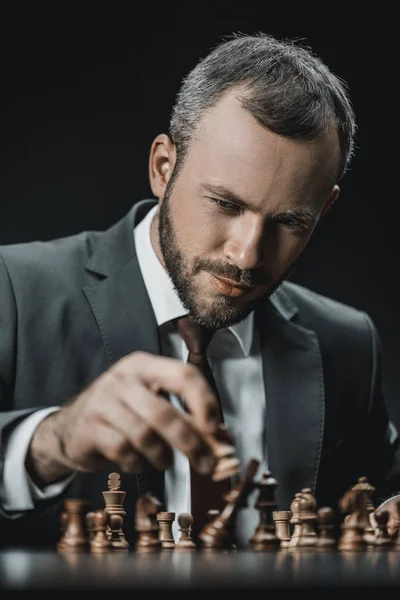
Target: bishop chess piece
[308, 518]
[114, 498]
[218, 534]
[264, 537]
[166, 536]
[146, 523]
[366, 490]
[74, 537]
[185, 541]
[295, 521]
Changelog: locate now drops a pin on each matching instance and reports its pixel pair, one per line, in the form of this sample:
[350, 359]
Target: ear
[333, 196]
[161, 164]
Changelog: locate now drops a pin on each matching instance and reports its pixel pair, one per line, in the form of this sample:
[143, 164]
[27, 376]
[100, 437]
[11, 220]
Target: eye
[291, 222]
[225, 206]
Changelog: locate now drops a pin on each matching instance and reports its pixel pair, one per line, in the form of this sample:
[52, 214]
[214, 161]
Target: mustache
[244, 278]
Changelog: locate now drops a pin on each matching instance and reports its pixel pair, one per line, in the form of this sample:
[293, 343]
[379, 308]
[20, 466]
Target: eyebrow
[303, 212]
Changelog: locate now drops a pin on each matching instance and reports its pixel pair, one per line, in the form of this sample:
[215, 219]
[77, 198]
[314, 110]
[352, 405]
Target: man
[93, 370]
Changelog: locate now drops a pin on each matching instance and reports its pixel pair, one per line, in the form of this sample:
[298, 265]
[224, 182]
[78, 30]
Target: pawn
[117, 541]
[382, 541]
[90, 525]
[63, 527]
[325, 518]
[74, 537]
[185, 541]
[100, 542]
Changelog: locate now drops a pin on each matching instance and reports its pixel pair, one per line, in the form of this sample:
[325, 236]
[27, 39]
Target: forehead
[231, 148]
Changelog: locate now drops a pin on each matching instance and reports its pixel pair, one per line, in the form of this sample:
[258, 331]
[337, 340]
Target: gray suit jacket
[72, 307]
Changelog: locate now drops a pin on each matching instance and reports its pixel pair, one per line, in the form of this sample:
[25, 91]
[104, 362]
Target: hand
[124, 417]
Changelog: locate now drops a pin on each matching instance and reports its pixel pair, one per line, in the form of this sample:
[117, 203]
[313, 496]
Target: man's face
[240, 212]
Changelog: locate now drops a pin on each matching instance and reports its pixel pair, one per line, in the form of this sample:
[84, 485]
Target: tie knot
[196, 337]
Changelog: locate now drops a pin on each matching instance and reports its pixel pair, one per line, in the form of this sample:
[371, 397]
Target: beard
[222, 312]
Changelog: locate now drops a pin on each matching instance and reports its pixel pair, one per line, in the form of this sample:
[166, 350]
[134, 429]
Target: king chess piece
[114, 498]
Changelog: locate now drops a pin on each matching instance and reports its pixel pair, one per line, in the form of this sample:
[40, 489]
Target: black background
[83, 94]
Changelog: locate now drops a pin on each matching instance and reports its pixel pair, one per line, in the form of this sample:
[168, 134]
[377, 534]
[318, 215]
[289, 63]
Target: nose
[244, 247]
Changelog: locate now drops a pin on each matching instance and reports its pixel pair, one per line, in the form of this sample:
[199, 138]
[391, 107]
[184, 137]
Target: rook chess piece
[166, 536]
[282, 526]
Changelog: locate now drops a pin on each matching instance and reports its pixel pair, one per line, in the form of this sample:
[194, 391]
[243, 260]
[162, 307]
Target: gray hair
[287, 89]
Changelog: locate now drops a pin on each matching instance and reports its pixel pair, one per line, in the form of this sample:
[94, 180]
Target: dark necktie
[205, 494]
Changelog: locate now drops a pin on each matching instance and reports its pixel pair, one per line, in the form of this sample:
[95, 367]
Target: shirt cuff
[18, 492]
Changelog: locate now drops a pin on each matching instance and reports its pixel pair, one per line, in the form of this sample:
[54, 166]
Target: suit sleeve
[9, 416]
[381, 441]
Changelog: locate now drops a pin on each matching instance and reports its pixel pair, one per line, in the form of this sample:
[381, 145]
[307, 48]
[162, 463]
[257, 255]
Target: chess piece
[282, 526]
[114, 498]
[325, 519]
[382, 540]
[166, 536]
[146, 523]
[90, 525]
[295, 521]
[185, 541]
[308, 518]
[219, 532]
[63, 526]
[264, 537]
[354, 505]
[100, 542]
[366, 490]
[396, 536]
[114, 527]
[74, 538]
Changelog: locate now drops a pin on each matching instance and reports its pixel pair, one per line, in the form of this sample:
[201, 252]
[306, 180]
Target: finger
[138, 436]
[174, 426]
[113, 446]
[185, 380]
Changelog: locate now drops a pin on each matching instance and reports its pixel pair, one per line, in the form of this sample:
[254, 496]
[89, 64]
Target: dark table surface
[164, 571]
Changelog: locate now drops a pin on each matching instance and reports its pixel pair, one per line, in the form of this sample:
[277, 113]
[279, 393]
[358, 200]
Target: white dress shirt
[236, 363]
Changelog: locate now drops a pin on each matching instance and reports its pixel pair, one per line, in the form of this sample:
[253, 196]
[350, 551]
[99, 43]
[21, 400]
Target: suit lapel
[294, 391]
[118, 297]
[122, 307]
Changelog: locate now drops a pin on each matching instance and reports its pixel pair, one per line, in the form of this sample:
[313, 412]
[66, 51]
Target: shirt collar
[163, 297]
